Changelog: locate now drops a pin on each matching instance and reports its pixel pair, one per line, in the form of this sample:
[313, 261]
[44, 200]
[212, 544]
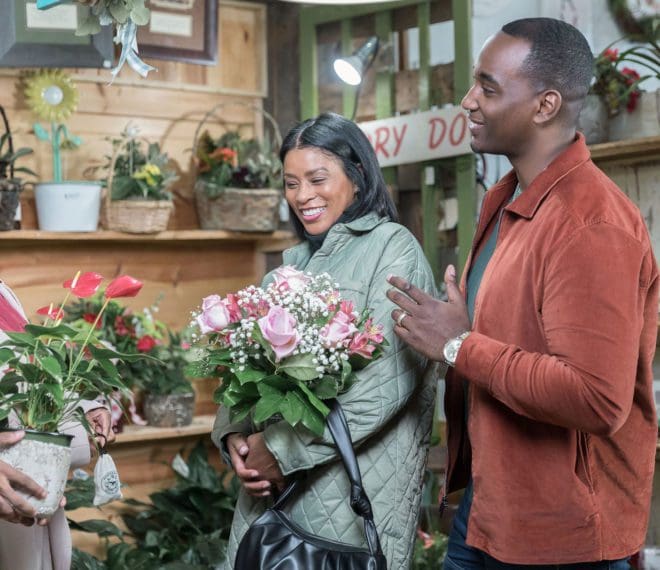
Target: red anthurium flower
[50, 311]
[123, 286]
[146, 343]
[91, 318]
[84, 285]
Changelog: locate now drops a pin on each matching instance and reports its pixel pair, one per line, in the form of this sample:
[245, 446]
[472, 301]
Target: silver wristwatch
[452, 346]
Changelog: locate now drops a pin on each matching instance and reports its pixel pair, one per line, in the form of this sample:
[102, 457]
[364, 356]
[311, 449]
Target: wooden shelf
[177, 235]
[628, 151]
[201, 425]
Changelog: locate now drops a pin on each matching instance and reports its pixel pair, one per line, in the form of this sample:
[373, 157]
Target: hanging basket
[133, 216]
[236, 209]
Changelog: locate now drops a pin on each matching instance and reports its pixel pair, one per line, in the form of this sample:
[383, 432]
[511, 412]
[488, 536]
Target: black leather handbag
[275, 542]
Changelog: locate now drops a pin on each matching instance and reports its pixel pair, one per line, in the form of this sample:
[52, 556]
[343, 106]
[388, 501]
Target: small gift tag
[106, 480]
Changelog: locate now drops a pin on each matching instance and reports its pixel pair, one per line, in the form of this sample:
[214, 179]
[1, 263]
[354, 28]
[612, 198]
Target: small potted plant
[10, 185]
[62, 205]
[238, 182]
[138, 199]
[48, 370]
[169, 397]
[615, 89]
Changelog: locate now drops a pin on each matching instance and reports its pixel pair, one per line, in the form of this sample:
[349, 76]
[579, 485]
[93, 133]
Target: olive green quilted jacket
[389, 409]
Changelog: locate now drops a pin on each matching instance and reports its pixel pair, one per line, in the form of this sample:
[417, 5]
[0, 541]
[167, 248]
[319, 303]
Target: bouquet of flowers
[283, 349]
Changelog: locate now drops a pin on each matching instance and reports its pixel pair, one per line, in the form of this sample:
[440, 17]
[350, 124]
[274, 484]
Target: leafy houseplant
[185, 526]
[62, 205]
[238, 180]
[618, 85]
[138, 198]
[169, 395]
[10, 185]
[49, 370]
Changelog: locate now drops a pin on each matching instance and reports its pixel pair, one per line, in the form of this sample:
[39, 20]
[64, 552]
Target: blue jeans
[460, 556]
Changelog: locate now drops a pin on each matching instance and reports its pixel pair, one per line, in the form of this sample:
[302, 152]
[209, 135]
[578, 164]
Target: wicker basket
[136, 216]
[133, 216]
[237, 209]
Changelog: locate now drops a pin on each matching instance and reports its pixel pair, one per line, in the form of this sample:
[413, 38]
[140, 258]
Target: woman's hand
[263, 461]
[254, 484]
[13, 506]
[101, 422]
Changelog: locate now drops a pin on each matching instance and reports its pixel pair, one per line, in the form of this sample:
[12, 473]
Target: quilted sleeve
[384, 387]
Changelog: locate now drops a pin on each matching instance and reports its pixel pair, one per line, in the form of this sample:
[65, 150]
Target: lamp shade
[351, 69]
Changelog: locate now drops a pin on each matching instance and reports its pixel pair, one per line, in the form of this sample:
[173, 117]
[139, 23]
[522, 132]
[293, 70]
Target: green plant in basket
[139, 173]
[231, 161]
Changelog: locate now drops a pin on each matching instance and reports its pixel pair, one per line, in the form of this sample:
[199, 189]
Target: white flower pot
[46, 458]
[68, 206]
[644, 121]
[171, 410]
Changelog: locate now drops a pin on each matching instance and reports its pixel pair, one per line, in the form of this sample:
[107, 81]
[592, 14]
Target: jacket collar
[527, 204]
[301, 253]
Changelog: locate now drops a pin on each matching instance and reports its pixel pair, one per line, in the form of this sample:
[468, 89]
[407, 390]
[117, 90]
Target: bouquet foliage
[50, 368]
[283, 349]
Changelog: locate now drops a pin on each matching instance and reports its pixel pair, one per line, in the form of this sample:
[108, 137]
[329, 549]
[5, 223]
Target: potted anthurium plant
[169, 397]
[62, 205]
[48, 370]
[238, 182]
[10, 184]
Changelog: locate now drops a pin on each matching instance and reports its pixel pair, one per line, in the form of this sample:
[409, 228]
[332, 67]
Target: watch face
[451, 350]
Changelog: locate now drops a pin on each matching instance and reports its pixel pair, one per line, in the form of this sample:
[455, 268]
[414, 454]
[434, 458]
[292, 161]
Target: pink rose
[338, 329]
[214, 316]
[360, 345]
[279, 329]
[289, 279]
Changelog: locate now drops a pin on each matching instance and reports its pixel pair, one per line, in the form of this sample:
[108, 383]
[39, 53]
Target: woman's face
[316, 188]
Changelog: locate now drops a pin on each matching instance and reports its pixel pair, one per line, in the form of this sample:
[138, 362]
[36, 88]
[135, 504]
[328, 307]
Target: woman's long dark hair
[342, 138]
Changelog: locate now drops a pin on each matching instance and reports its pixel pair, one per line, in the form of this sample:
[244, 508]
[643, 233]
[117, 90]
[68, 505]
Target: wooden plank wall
[166, 107]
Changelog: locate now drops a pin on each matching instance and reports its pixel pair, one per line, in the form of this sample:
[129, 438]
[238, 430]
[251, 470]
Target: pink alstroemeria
[51, 312]
[348, 308]
[360, 345]
[231, 302]
[287, 278]
[123, 286]
[374, 332]
[279, 329]
[84, 285]
[338, 329]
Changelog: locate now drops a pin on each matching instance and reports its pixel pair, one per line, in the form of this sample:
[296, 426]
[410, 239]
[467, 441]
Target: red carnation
[146, 343]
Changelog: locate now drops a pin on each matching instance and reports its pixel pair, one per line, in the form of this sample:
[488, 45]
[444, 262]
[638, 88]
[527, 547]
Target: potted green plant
[238, 181]
[169, 398]
[62, 205]
[48, 370]
[10, 185]
[615, 95]
[138, 199]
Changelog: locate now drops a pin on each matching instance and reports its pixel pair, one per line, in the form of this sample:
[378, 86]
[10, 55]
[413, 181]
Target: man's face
[501, 102]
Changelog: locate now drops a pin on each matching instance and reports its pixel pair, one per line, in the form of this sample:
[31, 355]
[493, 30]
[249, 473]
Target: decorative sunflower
[51, 95]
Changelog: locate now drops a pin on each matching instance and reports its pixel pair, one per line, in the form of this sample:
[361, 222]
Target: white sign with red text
[419, 137]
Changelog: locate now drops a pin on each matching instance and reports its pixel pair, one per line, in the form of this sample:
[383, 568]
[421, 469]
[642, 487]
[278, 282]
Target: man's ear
[549, 105]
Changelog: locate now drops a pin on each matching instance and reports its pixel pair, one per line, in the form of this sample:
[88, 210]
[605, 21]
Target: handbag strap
[359, 501]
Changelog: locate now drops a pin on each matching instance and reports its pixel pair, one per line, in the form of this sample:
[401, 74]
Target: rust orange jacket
[561, 416]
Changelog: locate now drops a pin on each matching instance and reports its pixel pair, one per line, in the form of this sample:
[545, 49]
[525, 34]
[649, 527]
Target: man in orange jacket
[550, 338]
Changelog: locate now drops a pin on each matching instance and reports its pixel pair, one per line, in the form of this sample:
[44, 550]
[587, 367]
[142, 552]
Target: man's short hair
[560, 57]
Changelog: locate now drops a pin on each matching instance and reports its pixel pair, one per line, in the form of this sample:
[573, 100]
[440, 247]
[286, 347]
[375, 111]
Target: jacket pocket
[582, 463]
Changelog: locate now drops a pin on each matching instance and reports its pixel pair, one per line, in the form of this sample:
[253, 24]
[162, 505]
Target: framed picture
[181, 30]
[46, 38]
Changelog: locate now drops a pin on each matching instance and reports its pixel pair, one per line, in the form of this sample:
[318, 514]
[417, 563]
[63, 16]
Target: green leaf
[313, 421]
[98, 526]
[313, 400]
[118, 11]
[249, 375]
[6, 354]
[292, 407]
[327, 387]
[140, 13]
[60, 331]
[52, 366]
[268, 406]
[300, 367]
[21, 339]
[89, 26]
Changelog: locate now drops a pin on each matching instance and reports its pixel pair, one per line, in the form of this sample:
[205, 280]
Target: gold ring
[399, 319]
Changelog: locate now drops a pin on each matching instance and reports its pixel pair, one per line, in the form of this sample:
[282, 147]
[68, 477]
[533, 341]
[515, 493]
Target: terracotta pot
[46, 458]
[171, 410]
